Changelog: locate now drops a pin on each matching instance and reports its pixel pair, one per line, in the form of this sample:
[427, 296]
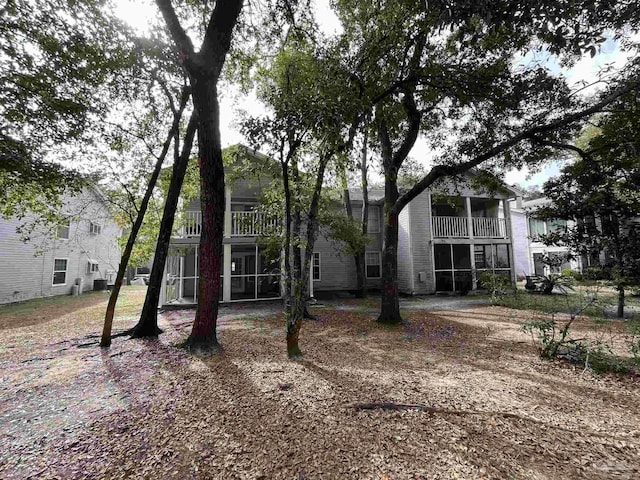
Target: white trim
[66, 271]
[366, 272]
[313, 267]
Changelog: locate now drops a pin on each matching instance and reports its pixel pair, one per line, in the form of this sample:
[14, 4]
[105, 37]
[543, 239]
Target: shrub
[496, 284]
[570, 273]
[596, 272]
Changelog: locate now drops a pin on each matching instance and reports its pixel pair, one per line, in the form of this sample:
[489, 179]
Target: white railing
[251, 224]
[192, 224]
[450, 227]
[458, 227]
[489, 227]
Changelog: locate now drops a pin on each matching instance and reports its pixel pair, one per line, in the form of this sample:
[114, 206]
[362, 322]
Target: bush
[568, 272]
[596, 272]
[496, 284]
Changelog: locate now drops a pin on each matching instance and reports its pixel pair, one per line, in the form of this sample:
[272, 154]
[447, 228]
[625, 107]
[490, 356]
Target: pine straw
[148, 409]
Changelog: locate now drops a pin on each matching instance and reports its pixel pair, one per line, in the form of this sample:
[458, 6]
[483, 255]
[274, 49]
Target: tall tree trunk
[203, 338]
[128, 249]
[389, 299]
[301, 277]
[147, 326]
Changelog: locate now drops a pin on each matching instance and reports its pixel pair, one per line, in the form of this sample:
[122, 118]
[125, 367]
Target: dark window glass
[502, 256]
[464, 282]
[461, 256]
[482, 256]
[442, 254]
[444, 281]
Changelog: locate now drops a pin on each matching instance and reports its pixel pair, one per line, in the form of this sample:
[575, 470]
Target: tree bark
[203, 338]
[126, 254]
[301, 276]
[204, 69]
[360, 258]
[389, 299]
[147, 326]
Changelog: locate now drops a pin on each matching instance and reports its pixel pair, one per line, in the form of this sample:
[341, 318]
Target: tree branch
[440, 171]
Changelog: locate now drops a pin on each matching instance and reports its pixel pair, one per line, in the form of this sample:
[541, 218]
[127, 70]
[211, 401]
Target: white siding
[520, 243]
[26, 275]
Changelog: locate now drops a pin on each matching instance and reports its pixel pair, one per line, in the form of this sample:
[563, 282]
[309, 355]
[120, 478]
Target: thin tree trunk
[203, 338]
[126, 254]
[620, 302]
[301, 279]
[147, 326]
[360, 258]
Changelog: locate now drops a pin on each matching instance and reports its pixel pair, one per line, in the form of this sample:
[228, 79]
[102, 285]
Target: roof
[376, 194]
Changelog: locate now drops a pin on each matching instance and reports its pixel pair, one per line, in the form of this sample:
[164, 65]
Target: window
[60, 271]
[63, 229]
[373, 221]
[536, 228]
[95, 228]
[452, 267]
[372, 262]
[316, 266]
[557, 226]
[92, 266]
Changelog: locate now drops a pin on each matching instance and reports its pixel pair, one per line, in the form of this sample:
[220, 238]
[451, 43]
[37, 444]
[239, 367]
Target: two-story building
[82, 249]
[445, 241]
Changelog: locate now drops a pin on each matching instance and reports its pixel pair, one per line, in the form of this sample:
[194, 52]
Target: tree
[599, 193]
[449, 72]
[58, 76]
[172, 136]
[311, 124]
[204, 68]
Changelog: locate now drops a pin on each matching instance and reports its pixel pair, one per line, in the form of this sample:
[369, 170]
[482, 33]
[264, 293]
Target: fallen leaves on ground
[148, 409]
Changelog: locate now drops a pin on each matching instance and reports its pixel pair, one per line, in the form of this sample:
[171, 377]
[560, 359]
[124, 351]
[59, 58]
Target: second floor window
[373, 222]
[95, 228]
[536, 228]
[63, 229]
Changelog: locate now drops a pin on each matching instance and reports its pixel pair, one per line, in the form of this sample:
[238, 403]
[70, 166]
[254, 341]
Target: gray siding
[27, 274]
[405, 263]
[421, 244]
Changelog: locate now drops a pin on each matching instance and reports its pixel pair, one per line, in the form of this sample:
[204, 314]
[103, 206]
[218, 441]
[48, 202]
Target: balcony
[251, 224]
[458, 227]
[243, 224]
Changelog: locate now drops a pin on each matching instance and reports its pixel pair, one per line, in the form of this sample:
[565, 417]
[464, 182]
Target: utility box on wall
[422, 276]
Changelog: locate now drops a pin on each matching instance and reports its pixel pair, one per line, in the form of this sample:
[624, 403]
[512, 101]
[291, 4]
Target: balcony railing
[192, 224]
[489, 227]
[251, 224]
[450, 227]
[458, 227]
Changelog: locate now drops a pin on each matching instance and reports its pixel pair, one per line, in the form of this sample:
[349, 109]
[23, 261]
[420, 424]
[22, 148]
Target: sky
[137, 14]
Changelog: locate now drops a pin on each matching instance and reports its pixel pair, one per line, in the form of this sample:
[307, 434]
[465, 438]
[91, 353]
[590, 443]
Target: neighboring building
[444, 243]
[530, 247]
[79, 252]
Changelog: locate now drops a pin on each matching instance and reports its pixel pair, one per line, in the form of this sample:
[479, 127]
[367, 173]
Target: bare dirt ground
[146, 409]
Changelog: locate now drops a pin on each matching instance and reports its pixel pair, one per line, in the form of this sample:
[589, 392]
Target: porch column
[227, 213]
[469, 217]
[474, 274]
[226, 272]
[311, 278]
